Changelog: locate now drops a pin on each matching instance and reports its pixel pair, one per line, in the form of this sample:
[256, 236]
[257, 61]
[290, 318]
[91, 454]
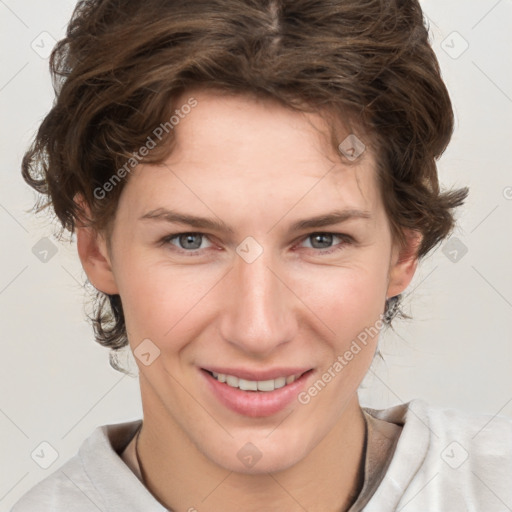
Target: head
[256, 115]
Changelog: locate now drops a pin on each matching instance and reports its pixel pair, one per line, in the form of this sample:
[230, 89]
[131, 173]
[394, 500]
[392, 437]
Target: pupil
[185, 239]
[320, 236]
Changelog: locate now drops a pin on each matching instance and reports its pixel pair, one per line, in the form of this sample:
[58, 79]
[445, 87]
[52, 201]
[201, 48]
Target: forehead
[242, 124]
[248, 150]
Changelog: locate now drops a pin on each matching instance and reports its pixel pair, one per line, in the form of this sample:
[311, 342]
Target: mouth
[265, 386]
[259, 397]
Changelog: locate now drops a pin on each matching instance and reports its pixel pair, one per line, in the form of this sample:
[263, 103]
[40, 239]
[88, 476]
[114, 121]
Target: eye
[190, 243]
[323, 241]
[185, 242]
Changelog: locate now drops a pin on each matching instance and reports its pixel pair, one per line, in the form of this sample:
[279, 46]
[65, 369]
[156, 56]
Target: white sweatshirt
[445, 461]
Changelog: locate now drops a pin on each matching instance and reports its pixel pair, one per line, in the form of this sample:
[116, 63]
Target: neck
[182, 478]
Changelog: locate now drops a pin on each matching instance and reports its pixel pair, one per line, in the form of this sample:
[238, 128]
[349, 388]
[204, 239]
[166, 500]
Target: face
[256, 289]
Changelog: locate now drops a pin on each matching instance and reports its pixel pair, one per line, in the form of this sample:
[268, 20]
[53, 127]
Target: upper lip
[269, 374]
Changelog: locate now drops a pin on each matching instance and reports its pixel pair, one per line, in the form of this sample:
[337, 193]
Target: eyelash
[346, 239]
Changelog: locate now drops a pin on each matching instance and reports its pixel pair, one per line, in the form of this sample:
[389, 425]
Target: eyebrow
[326, 219]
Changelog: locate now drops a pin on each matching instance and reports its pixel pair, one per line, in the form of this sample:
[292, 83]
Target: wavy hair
[121, 66]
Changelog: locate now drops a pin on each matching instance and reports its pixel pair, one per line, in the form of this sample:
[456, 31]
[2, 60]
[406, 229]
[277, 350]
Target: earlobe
[404, 263]
[94, 256]
[92, 250]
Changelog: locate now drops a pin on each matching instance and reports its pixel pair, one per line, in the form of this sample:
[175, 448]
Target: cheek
[348, 299]
[160, 301]
[350, 303]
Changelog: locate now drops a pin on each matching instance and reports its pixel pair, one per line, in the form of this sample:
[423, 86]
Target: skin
[258, 167]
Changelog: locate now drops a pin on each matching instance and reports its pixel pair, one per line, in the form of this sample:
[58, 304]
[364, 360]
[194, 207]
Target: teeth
[253, 385]
[290, 379]
[266, 385]
[247, 385]
[279, 382]
[232, 381]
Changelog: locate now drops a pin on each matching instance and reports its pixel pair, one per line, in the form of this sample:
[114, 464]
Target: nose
[258, 312]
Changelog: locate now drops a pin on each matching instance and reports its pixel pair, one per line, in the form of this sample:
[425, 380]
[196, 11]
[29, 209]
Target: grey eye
[322, 238]
[187, 241]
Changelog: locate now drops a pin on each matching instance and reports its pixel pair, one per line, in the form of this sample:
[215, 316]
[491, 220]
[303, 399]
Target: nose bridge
[258, 315]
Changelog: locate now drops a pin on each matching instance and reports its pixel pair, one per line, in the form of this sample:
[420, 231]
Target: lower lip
[256, 403]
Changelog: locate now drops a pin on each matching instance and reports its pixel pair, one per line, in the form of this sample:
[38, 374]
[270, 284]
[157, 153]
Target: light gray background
[56, 384]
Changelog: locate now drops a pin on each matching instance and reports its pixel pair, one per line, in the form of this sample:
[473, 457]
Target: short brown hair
[121, 66]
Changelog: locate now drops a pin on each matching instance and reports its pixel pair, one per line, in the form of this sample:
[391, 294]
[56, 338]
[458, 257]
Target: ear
[404, 261]
[94, 255]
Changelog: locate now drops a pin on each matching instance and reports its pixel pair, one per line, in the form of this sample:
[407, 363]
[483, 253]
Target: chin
[256, 458]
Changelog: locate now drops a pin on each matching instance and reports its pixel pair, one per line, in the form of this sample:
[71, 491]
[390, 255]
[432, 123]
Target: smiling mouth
[255, 385]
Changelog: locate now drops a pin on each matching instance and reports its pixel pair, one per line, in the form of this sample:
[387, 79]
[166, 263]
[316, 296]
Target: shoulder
[68, 488]
[479, 434]
[468, 441]
[76, 485]
[449, 460]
